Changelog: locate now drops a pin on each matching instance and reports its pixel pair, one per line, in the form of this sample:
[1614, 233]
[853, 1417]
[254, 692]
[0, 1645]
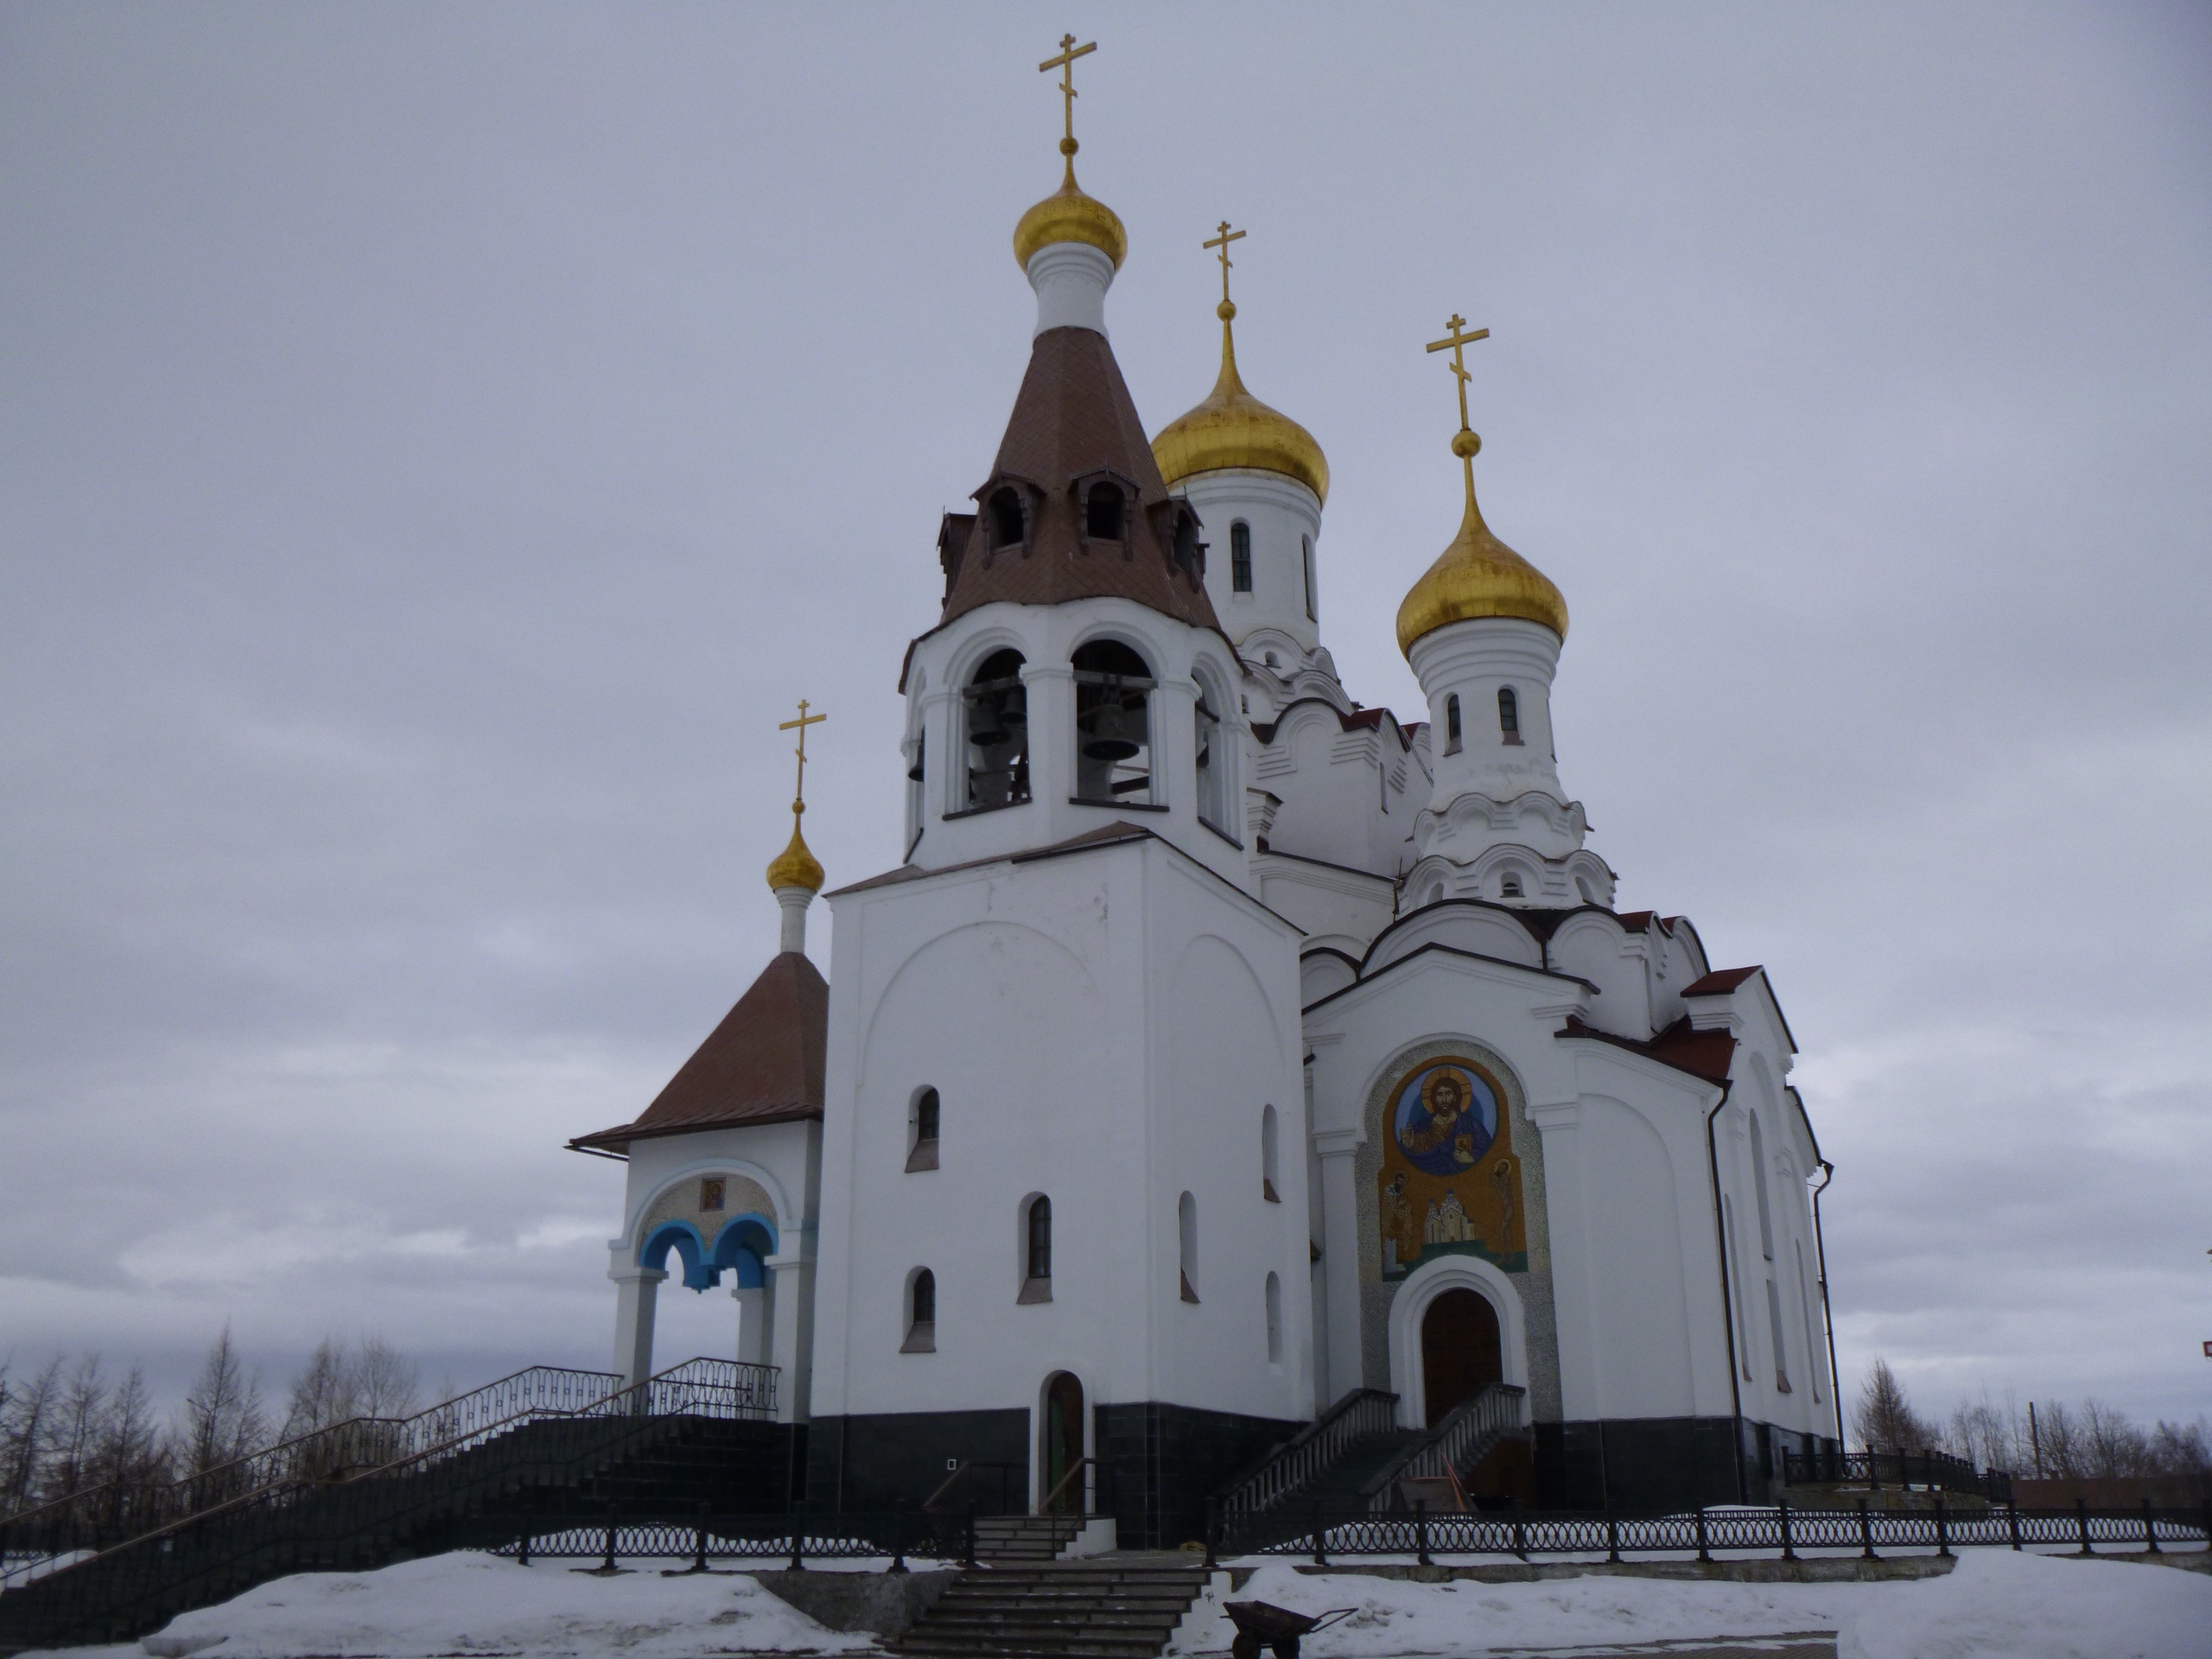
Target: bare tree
[386, 1383]
[27, 1412]
[70, 1452]
[1883, 1418]
[321, 1395]
[2182, 1448]
[222, 1420]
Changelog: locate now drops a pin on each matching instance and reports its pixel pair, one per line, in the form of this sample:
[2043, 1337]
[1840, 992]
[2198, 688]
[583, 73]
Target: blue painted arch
[743, 1245]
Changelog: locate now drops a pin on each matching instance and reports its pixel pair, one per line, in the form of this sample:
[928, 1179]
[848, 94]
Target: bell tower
[1062, 1027]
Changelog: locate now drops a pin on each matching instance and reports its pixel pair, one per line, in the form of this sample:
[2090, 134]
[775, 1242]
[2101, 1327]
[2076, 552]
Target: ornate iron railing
[1463, 1438]
[1283, 1472]
[793, 1538]
[1322, 1533]
[1878, 1469]
[32, 1545]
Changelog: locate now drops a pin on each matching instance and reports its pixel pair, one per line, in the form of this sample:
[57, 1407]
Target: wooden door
[1460, 1352]
[1063, 1439]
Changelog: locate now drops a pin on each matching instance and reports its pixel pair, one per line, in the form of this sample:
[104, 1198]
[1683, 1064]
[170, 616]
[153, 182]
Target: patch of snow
[466, 1604]
[1995, 1604]
[2007, 1606]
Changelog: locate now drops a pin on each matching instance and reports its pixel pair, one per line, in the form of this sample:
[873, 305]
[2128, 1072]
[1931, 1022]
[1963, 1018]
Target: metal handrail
[1895, 1467]
[321, 1453]
[960, 1470]
[1075, 1471]
[1290, 1465]
[686, 1389]
[1467, 1434]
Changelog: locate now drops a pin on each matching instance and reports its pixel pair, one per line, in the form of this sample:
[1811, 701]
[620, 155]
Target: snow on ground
[468, 1603]
[1995, 1605]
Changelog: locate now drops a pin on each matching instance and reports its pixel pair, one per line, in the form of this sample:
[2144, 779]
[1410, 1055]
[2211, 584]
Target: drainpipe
[1727, 1300]
[1835, 1392]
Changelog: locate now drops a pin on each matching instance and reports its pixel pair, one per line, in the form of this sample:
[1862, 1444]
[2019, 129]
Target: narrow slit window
[1212, 762]
[1186, 1232]
[921, 1314]
[1274, 1319]
[1270, 1156]
[921, 1149]
[1509, 715]
[1312, 602]
[1037, 1251]
[1451, 723]
[1509, 887]
[1240, 557]
[997, 707]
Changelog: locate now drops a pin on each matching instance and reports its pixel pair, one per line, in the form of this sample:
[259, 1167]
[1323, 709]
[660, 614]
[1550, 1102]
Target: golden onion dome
[1477, 575]
[1232, 427]
[1068, 215]
[795, 866]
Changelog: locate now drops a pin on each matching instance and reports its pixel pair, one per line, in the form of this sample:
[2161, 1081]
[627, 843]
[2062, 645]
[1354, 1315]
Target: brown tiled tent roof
[1073, 424]
[762, 1065]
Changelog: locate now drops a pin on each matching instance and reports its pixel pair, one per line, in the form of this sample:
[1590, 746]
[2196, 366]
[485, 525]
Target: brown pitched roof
[1073, 425]
[1705, 1054]
[1718, 982]
[762, 1065]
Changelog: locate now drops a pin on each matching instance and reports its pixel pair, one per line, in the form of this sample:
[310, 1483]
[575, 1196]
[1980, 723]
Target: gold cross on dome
[1457, 343]
[1222, 242]
[1065, 64]
[804, 719]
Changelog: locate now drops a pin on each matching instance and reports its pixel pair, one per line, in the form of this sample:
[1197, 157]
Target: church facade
[1224, 1048]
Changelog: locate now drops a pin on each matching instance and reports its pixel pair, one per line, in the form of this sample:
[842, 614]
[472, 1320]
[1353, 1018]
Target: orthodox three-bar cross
[804, 719]
[1065, 64]
[1221, 242]
[1457, 343]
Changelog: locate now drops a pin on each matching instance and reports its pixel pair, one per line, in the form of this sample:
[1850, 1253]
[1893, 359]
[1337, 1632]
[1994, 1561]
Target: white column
[791, 1345]
[752, 1316]
[1340, 1256]
[794, 901]
[1070, 280]
[636, 1289]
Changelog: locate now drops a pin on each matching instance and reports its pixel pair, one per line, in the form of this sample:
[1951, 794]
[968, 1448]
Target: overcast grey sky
[437, 443]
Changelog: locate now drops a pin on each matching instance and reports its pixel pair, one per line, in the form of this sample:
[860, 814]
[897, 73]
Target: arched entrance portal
[1063, 1447]
[1460, 1351]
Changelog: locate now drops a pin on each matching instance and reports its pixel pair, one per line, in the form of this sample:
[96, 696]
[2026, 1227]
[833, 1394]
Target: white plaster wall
[1279, 511]
[1058, 1008]
[1330, 905]
[1344, 793]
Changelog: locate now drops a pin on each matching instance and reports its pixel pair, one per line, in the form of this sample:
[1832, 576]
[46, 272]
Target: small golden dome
[794, 867]
[1232, 427]
[1478, 576]
[1068, 215]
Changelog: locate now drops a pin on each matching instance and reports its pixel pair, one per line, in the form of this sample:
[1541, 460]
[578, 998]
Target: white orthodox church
[1224, 1049]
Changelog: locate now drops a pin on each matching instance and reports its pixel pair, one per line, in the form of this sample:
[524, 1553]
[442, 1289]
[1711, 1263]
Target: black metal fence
[1785, 1530]
[1877, 1470]
[789, 1541]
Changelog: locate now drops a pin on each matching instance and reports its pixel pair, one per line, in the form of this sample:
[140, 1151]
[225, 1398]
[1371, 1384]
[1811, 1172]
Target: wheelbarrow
[1263, 1624]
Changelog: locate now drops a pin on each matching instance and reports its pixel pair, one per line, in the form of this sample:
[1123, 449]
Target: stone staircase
[1071, 1611]
[1024, 1540]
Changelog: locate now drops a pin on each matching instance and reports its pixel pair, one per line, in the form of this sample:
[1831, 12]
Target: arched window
[1037, 1250]
[1240, 557]
[1509, 885]
[1509, 715]
[1736, 1261]
[1451, 723]
[1006, 519]
[1766, 1249]
[1805, 1308]
[1274, 1320]
[1186, 1236]
[921, 1131]
[1313, 602]
[921, 1314]
[1758, 1179]
[1212, 753]
[1113, 726]
[996, 707]
[1101, 513]
[1270, 1156]
[1582, 885]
